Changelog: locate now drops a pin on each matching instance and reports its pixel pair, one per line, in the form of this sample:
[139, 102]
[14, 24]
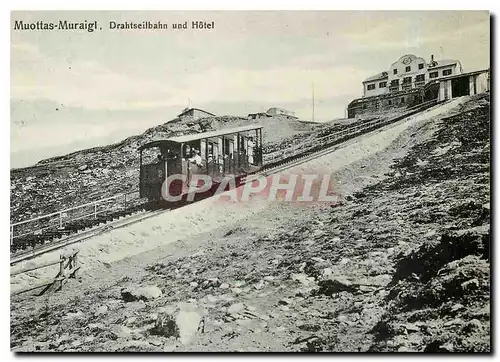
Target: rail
[68, 266]
[311, 145]
[61, 222]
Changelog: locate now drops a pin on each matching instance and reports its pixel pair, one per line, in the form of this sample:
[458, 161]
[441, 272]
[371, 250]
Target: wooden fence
[68, 266]
[56, 222]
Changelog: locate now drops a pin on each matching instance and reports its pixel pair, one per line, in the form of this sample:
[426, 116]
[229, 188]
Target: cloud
[81, 83]
[283, 84]
[91, 85]
[252, 60]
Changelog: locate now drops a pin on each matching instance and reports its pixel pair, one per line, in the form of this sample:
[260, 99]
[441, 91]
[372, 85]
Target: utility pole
[313, 101]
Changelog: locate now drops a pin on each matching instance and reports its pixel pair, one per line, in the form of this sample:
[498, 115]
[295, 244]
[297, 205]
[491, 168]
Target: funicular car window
[151, 155]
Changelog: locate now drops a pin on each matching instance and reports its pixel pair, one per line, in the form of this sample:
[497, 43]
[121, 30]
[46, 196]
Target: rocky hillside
[403, 264]
[439, 296]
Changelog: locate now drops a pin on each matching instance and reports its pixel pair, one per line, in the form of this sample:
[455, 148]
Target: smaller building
[193, 114]
[386, 101]
[275, 111]
[464, 84]
[258, 115]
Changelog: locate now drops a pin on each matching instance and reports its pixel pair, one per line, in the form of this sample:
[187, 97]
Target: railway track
[141, 211]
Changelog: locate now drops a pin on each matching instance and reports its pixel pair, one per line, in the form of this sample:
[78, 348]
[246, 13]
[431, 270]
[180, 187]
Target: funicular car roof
[199, 136]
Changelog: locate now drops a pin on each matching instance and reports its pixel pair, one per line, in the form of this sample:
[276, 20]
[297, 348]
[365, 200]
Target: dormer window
[395, 71]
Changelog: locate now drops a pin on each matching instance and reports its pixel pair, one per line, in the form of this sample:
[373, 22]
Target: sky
[76, 89]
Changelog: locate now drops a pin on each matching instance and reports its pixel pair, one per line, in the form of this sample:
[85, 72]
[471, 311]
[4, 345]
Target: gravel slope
[401, 265]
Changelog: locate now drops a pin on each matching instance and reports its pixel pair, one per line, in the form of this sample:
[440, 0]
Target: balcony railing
[406, 86]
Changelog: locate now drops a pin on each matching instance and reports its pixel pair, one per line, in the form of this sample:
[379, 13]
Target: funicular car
[228, 152]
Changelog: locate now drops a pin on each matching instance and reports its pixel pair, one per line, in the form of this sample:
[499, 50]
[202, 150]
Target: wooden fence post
[66, 260]
[61, 270]
[75, 264]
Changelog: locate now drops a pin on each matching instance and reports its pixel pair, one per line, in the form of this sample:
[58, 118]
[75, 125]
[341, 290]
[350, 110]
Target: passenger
[187, 151]
[243, 157]
[160, 158]
[172, 154]
[251, 146]
[196, 158]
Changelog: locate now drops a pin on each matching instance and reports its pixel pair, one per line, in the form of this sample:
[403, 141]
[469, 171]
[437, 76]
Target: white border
[189, 5]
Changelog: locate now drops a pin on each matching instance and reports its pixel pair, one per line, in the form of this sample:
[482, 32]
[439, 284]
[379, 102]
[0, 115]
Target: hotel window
[420, 78]
[389, 102]
[421, 66]
[395, 82]
[382, 84]
[370, 87]
[433, 75]
[406, 80]
[408, 69]
[395, 71]
[447, 72]
[402, 100]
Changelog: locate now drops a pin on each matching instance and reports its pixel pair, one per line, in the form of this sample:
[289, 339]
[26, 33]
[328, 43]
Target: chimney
[432, 58]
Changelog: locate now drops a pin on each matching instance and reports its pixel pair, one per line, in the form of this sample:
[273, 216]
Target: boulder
[166, 326]
[155, 342]
[302, 278]
[471, 284]
[146, 293]
[96, 326]
[189, 320]
[411, 327]
[149, 292]
[332, 286]
[236, 308]
[326, 273]
[103, 309]
[457, 307]
[123, 332]
[259, 285]
[183, 322]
